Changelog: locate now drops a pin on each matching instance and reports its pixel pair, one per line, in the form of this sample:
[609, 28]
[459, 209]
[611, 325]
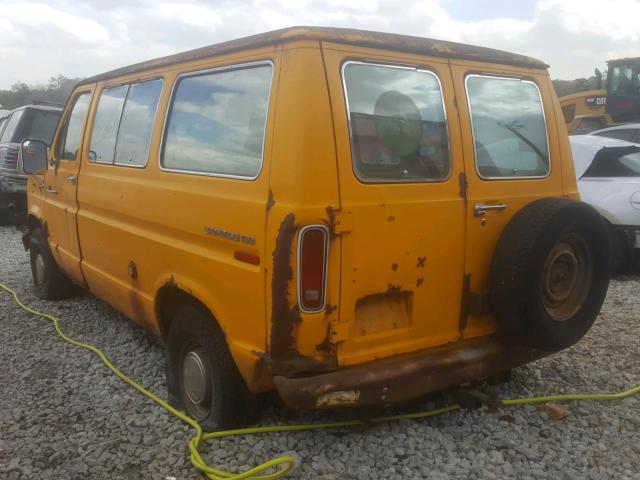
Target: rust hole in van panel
[283, 317]
[270, 201]
[283, 359]
[383, 312]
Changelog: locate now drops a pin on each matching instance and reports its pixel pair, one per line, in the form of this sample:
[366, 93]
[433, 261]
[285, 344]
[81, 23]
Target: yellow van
[350, 218]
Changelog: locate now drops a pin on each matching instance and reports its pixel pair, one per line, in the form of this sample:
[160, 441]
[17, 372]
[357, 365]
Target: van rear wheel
[202, 378]
[550, 274]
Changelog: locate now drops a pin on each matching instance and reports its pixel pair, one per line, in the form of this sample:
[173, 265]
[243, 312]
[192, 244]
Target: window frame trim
[399, 66]
[197, 73]
[473, 137]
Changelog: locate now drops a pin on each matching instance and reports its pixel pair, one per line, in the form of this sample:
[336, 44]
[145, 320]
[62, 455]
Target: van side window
[136, 125]
[69, 138]
[105, 126]
[397, 124]
[217, 121]
[509, 130]
[124, 122]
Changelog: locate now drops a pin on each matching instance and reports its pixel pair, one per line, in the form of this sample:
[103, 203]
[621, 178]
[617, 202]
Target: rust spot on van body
[403, 377]
[283, 358]
[283, 317]
[270, 200]
[381, 312]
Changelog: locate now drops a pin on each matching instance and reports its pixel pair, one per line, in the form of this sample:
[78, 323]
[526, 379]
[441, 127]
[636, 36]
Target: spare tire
[550, 274]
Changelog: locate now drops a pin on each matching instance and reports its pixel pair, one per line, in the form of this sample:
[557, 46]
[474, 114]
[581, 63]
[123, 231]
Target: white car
[628, 131]
[608, 172]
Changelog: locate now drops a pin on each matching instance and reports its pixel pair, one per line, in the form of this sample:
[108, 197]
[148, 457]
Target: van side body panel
[304, 191]
[144, 228]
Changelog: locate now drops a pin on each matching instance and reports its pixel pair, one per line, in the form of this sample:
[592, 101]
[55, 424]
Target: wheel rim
[39, 269]
[196, 382]
[567, 277]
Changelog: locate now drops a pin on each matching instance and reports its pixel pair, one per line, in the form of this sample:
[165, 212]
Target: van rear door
[512, 158]
[402, 218]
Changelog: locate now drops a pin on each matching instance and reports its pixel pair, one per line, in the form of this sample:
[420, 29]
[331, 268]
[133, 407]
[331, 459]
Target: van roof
[364, 38]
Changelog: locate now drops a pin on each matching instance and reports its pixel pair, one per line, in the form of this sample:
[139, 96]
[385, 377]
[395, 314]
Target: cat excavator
[618, 102]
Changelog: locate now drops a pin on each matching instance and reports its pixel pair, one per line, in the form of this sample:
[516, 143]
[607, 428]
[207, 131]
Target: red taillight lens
[312, 268]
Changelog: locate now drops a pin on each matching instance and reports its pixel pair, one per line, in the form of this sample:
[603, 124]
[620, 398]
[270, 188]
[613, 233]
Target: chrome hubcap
[196, 383]
[39, 269]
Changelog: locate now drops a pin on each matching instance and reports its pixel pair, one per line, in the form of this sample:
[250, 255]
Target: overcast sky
[79, 38]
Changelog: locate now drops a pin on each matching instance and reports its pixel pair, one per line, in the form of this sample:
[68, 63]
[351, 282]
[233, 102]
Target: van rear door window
[397, 124]
[216, 124]
[509, 130]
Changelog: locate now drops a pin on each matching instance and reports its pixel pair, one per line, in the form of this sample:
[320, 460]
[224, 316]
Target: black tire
[550, 243]
[49, 282]
[223, 401]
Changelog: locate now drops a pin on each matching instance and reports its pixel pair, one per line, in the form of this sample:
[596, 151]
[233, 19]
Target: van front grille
[9, 158]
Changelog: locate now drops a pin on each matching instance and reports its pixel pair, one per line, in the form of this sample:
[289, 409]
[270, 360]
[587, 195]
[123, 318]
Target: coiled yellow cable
[284, 464]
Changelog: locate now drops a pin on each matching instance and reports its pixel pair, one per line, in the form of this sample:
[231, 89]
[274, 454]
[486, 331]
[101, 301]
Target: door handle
[51, 190]
[71, 179]
[480, 209]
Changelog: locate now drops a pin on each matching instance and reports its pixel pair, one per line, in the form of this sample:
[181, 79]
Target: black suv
[33, 122]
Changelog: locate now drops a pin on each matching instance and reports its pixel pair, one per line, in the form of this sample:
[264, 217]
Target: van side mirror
[34, 156]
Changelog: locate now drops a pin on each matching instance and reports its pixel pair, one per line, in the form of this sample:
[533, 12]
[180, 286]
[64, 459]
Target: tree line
[57, 90]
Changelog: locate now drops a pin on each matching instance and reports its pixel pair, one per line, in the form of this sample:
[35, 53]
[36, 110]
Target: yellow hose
[284, 464]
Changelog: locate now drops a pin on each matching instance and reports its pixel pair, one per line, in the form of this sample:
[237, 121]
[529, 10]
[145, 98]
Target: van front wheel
[202, 378]
[49, 282]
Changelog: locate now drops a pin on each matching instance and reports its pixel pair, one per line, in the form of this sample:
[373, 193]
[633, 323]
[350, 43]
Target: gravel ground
[63, 415]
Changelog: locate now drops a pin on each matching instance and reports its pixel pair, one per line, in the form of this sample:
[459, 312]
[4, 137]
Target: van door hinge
[462, 180]
[342, 222]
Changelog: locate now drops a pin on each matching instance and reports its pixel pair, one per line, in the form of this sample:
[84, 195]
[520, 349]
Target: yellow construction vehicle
[619, 102]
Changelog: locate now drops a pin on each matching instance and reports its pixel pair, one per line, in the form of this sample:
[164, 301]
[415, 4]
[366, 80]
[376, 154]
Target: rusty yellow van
[347, 217]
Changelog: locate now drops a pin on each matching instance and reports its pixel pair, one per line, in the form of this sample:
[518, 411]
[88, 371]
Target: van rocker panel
[404, 377]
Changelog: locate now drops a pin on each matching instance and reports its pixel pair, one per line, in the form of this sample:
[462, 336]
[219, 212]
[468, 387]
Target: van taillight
[312, 268]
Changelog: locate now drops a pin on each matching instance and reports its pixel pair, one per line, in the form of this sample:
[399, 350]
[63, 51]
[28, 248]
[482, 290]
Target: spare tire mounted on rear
[550, 274]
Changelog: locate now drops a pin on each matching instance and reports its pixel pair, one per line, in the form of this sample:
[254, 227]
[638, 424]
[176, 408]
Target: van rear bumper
[404, 377]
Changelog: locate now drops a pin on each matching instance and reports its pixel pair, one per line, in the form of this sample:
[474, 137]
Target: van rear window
[217, 122]
[397, 124]
[509, 130]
